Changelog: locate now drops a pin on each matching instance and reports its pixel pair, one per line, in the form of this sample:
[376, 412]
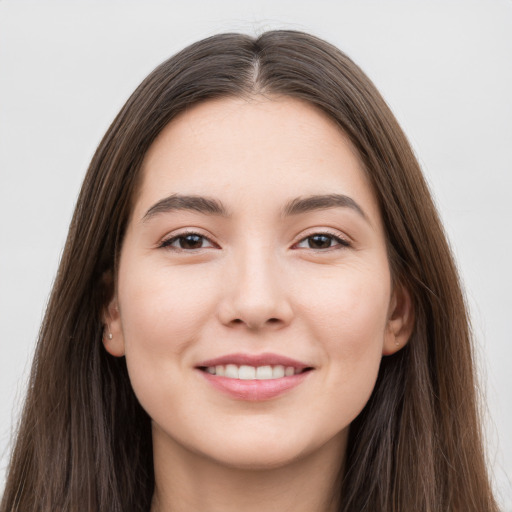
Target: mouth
[254, 366]
[247, 372]
[254, 377]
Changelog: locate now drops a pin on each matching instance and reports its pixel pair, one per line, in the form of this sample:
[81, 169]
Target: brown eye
[190, 242]
[187, 242]
[320, 241]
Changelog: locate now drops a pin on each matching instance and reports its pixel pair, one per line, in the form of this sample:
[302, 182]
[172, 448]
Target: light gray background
[445, 67]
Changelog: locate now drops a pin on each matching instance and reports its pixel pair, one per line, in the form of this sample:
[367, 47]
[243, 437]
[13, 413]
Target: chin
[260, 459]
[268, 450]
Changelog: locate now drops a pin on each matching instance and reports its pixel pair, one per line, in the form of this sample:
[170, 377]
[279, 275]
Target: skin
[254, 285]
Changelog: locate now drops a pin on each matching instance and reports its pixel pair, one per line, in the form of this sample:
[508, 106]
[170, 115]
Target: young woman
[256, 308]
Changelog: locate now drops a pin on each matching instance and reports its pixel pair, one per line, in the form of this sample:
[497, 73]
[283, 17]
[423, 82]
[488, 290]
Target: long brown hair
[84, 442]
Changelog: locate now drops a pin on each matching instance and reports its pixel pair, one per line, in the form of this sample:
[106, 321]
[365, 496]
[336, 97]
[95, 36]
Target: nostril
[253, 325]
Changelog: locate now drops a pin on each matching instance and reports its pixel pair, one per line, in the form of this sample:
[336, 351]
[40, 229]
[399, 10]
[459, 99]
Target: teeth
[278, 372]
[264, 372]
[231, 371]
[246, 372]
[290, 370]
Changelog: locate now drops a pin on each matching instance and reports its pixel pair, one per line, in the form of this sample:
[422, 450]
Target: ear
[400, 321]
[113, 339]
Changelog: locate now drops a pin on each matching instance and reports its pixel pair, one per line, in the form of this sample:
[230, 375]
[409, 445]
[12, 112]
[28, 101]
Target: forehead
[253, 150]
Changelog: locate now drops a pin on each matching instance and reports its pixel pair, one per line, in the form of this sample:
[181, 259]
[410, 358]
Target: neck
[189, 482]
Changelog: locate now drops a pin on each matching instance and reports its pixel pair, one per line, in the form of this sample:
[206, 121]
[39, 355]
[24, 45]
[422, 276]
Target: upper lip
[266, 359]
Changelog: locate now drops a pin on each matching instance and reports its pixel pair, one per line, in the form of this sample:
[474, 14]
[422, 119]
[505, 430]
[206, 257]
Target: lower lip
[254, 390]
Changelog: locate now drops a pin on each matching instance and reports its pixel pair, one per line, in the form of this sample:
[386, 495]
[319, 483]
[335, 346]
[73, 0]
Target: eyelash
[342, 243]
[167, 244]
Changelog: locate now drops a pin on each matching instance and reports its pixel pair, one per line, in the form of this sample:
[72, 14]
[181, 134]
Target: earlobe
[400, 321]
[113, 339]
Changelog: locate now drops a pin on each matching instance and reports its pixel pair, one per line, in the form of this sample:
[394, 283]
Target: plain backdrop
[445, 68]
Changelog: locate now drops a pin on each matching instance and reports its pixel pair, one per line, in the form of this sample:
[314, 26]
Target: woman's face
[254, 298]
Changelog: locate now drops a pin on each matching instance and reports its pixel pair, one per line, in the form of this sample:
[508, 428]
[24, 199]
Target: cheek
[348, 320]
[351, 311]
[163, 310]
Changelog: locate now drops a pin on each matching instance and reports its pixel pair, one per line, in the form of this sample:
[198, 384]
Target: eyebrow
[211, 206]
[321, 202]
[205, 205]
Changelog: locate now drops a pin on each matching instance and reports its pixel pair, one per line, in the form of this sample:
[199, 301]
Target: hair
[84, 442]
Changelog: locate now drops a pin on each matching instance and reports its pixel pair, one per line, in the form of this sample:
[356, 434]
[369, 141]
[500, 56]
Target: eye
[187, 242]
[319, 241]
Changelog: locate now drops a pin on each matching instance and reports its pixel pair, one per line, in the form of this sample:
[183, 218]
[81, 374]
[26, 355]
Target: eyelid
[165, 242]
[344, 242]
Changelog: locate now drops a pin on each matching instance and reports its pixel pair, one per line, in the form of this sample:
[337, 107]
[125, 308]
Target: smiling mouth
[254, 377]
[246, 372]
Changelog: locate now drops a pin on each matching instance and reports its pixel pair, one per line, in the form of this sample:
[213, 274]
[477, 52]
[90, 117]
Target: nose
[255, 294]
